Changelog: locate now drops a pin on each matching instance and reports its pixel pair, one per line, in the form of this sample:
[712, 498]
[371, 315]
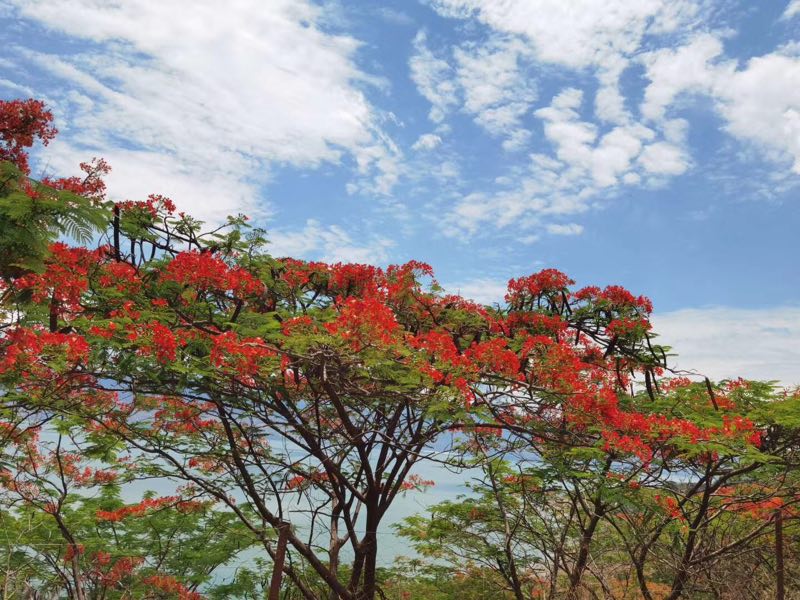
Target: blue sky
[655, 144]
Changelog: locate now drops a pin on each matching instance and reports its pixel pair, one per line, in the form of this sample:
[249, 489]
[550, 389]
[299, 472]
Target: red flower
[21, 123]
[242, 355]
[364, 321]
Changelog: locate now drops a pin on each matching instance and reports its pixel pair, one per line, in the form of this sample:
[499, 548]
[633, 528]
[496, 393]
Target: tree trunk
[583, 554]
[335, 545]
[779, 573]
[280, 557]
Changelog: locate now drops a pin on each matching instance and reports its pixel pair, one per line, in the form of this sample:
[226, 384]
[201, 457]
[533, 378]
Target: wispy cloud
[329, 243]
[723, 342]
[485, 80]
[596, 141]
[221, 93]
[792, 9]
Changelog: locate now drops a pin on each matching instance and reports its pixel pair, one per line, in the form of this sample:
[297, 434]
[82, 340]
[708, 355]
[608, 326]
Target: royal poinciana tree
[300, 396]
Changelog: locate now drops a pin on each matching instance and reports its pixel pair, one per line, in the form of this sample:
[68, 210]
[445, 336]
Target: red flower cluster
[66, 276]
[614, 296]
[548, 281]
[495, 357]
[295, 482]
[364, 322]
[628, 444]
[298, 273]
[146, 505]
[120, 275]
[354, 279]
[155, 204]
[624, 327]
[122, 568]
[69, 465]
[670, 505]
[207, 272]
[164, 343]
[243, 356]
[170, 585]
[22, 122]
[153, 339]
[178, 415]
[416, 482]
[29, 349]
[90, 186]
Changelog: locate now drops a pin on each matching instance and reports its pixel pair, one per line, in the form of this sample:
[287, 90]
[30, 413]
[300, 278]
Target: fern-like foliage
[33, 215]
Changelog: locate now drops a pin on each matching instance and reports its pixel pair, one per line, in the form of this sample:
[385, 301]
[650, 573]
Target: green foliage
[33, 215]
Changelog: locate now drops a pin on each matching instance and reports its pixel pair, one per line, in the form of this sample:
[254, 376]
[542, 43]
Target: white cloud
[206, 194]
[579, 33]
[434, 79]
[761, 103]
[676, 70]
[792, 9]
[427, 141]
[227, 92]
[521, 207]
[663, 158]
[725, 342]
[586, 165]
[484, 80]
[758, 101]
[591, 156]
[328, 243]
[481, 290]
[496, 90]
[565, 229]
[582, 150]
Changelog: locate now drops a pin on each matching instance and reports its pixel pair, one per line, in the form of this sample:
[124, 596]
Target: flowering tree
[300, 396]
[655, 520]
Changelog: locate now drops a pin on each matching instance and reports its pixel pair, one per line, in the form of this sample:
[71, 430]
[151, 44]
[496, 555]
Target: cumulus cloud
[223, 92]
[594, 145]
[663, 158]
[580, 147]
[759, 100]
[427, 141]
[580, 33]
[592, 155]
[586, 164]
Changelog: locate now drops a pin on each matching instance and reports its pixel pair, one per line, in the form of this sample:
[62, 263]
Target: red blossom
[155, 204]
[141, 508]
[65, 278]
[244, 355]
[416, 482]
[548, 281]
[207, 272]
[170, 585]
[90, 186]
[22, 122]
[364, 322]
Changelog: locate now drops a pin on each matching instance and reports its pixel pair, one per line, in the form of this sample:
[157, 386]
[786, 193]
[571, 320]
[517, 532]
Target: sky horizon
[654, 145]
